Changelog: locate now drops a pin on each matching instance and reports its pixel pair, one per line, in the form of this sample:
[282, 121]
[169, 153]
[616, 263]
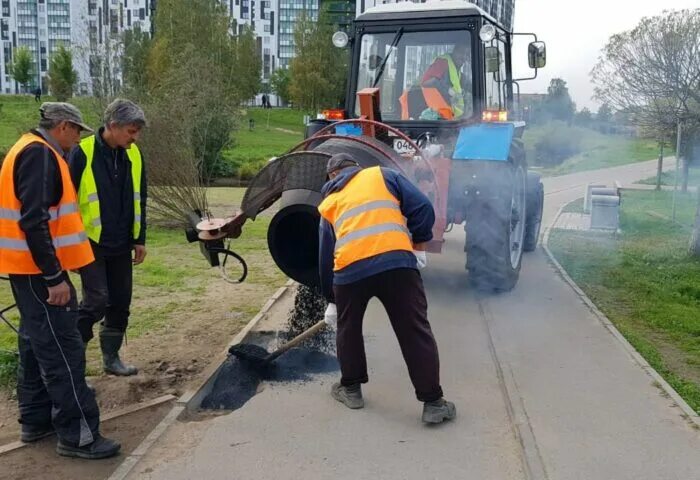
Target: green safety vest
[88, 199]
[455, 80]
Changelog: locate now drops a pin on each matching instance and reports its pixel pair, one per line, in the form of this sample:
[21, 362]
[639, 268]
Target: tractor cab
[437, 65]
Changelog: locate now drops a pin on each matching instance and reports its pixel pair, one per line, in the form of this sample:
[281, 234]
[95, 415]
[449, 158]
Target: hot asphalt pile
[238, 380]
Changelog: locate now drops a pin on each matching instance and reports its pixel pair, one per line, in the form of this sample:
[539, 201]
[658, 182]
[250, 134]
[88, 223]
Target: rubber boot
[350, 396]
[438, 411]
[111, 341]
[101, 448]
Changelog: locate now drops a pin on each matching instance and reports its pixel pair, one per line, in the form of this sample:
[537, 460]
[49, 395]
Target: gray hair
[49, 123]
[124, 112]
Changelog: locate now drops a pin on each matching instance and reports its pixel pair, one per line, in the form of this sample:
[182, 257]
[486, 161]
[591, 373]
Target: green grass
[276, 130]
[669, 178]
[171, 283]
[645, 282]
[597, 150]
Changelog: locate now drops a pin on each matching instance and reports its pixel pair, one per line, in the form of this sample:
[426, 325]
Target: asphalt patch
[238, 380]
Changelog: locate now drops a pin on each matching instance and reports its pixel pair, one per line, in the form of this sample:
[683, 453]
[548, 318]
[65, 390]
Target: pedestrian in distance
[373, 230]
[108, 172]
[41, 239]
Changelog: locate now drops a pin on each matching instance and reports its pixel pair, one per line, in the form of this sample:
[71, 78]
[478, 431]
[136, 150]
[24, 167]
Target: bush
[556, 145]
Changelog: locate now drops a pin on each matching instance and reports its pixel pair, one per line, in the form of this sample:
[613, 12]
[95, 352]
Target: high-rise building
[262, 17]
[290, 11]
[90, 28]
[501, 10]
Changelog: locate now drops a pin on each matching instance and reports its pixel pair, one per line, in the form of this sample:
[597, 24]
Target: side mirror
[537, 54]
[492, 64]
[374, 62]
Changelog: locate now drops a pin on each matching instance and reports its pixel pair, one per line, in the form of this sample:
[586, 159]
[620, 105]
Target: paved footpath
[543, 391]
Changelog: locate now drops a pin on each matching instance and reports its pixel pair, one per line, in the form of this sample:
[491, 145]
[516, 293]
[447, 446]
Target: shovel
[260, 357]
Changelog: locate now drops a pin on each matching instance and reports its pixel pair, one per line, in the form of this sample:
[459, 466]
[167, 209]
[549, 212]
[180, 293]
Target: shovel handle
[306, 334]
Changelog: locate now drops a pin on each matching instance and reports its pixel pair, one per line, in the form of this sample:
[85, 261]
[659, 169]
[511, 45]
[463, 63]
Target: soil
[41, 461]
[170, 360]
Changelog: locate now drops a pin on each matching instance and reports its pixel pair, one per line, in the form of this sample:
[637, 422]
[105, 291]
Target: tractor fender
[486, 142]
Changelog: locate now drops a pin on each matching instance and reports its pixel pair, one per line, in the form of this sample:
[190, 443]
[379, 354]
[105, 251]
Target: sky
[575, 32]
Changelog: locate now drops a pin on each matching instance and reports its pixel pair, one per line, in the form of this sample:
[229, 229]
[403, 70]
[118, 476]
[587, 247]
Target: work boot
[32, 433]
[111, 341]
[351, 396]
[438, 411]
[101, 448]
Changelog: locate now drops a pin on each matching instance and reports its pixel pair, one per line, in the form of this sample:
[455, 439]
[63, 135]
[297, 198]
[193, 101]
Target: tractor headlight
[340, 39]
[487, 33]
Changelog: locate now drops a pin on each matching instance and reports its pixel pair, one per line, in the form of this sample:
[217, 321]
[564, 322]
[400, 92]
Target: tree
[279, 82]
[22, 66]
[605, 114]
[558, 102]
[653, 72]
[137, 45]
[584, 117]
[195, 77]
[62, 75]
[319, 69]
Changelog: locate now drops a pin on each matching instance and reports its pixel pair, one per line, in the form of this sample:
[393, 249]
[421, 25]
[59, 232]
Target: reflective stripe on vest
[88, 196]
[69, 239]
[366, 218]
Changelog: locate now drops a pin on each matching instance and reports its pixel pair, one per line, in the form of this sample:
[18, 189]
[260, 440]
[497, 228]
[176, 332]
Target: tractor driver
[442, 88]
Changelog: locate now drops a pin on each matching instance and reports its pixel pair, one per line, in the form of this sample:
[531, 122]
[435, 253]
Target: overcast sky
[575, 31]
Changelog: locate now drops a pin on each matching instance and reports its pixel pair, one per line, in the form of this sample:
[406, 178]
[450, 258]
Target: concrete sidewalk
[543, 390]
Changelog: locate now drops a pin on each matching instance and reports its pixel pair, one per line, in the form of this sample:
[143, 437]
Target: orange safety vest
[433, 99]
[73, 249]
[366, 218]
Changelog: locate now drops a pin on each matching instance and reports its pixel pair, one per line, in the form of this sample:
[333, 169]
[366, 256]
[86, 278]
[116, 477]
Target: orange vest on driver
[366, 219]
[65, 225]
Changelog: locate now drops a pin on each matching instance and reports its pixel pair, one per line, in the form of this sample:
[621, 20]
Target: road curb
[186, 399]
[688, 412]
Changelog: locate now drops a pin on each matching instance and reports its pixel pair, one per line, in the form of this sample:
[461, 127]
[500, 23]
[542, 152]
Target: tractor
[458, 140]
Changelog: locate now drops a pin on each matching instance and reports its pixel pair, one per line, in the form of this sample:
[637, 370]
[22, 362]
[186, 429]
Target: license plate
[402, 146]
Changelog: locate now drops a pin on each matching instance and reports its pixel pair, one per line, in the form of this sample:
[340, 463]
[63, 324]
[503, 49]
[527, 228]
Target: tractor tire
[535, 206]
[495, 230]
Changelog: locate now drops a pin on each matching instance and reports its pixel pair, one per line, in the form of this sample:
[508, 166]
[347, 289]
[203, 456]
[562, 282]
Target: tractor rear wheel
[495, 230]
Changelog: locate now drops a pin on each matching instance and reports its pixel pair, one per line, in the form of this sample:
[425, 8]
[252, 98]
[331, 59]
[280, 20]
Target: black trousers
[107, 285]
[402, 294]
[51, 384]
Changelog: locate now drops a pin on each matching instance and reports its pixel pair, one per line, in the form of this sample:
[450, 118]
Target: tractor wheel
[495, 230]
[535, 205]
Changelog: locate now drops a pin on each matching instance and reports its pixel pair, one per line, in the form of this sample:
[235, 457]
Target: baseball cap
[340, 161]
[61, 111]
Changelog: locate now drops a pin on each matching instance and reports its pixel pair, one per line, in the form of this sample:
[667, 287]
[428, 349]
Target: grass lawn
[171, 286]
[669, 178]
[644, 281]
[275, 130]
[597, 150]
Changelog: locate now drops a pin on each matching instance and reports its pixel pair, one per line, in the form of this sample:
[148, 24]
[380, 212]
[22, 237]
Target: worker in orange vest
[374, 225]
[41, 239]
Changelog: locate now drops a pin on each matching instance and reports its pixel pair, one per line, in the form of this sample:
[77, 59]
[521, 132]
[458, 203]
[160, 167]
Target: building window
[267, 28]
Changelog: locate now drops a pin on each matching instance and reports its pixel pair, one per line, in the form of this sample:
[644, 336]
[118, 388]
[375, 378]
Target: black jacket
[38, 187]
[115, 190]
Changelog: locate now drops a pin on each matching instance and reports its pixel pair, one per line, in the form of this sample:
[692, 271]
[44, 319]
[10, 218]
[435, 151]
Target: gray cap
[61, 111]
[340, 161]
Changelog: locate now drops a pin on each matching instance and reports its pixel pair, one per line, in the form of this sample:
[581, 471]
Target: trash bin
[605, 212]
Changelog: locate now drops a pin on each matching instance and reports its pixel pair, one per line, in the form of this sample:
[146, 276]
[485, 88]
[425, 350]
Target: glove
[331, 315]
[421, 257]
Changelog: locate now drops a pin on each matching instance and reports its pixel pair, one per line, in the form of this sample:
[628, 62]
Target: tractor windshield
[421, 75]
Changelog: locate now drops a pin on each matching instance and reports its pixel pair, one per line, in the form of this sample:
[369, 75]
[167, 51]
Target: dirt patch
[170, 359]
[41, 461]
